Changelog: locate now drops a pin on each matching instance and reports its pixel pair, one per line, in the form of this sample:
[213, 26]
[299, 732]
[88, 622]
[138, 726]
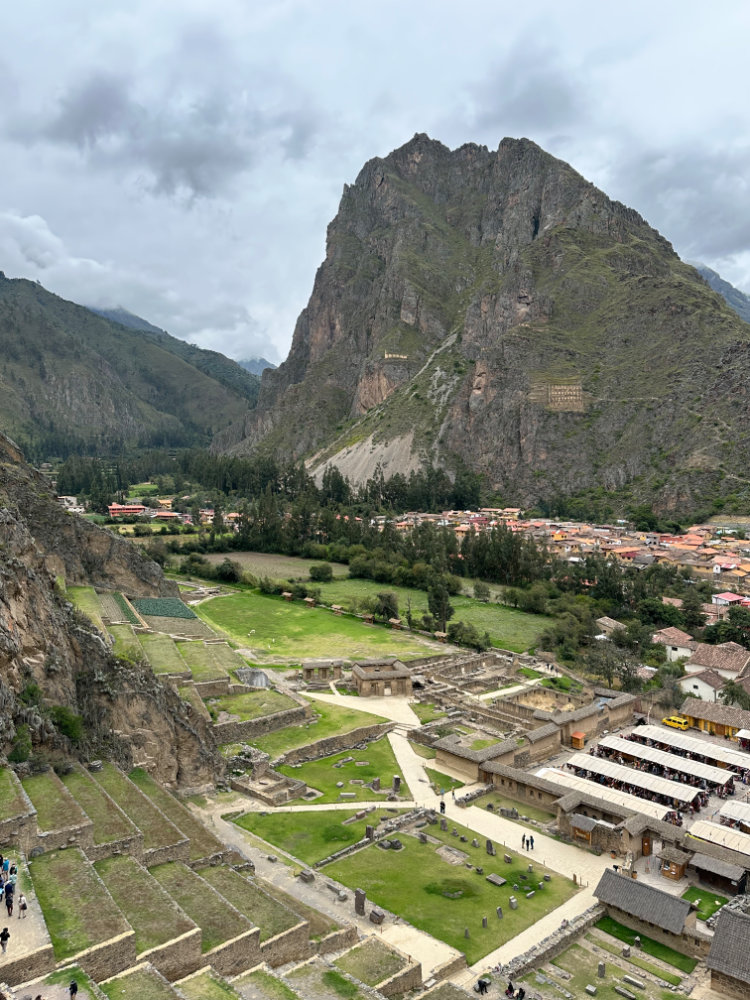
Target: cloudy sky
[182, 158]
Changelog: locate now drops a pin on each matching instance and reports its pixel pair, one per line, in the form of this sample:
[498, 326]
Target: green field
[315, 980]
[109, 824]
[263, 986]
[582, 966]
[439, 781]
[277, 629]
[163, 653]
[12, 803]
[311, 836]
[55, 806]
[208, 661]
[156, 829]
[524, 809]
[708, 901]
[85, 600]
[323, 776]
[508, 627]
[615, 949]
[650, 947]
[265, 912]
[202, 904]
[127, 644]
[444, 898]
[208, 986]
[202, 842]
[251, 704]
[426, 712]
[275, 567]
[328, 720]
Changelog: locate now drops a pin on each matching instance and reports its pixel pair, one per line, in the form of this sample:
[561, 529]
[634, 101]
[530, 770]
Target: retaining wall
[29, 966]
[553, 945]
[236, 732]
[176, 958]
[108, 958]
[335, 744]
[409, 978]
[292, 945]
[172, 852]
[237, 955]
[346, 937]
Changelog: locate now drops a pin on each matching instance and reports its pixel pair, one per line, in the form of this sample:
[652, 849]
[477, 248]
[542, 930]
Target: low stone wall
[126, 845]
[213, 689]
[346, 937]
[236, 732]
[178, 957]
[335, 744]
[289, 946]
[726, 986]
[449, 968]
[409, 978]
[687, 942]
[20, 830]
[108, 958]
[237, 955]
[29, 966]
[80, 834]
[172, 852]
[553, 945]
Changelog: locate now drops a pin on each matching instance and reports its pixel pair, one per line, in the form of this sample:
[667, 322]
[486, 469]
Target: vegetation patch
[708, 902]
[582, 966]
[202, 842]
[499, 802]
[210, 661]
[127, 645]
[654, 948]
[327, 720]
[442, 782]
[251, 704]
[377, 760]
[12, 802]
[142, 984]
[265, 912]
[163, 654]
[86, 601]
[208, 986]
[55, 806]
[426, 752]
[371, 962]
[426, 712]
[124, 607]
[265, 986]
[202, 904]
[163, 607]
[150, 911]
[655, 970]
[79, 913]
[156, 829]
[328, 984]
[109, 824]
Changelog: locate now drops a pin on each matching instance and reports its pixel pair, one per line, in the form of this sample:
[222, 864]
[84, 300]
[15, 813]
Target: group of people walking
[8, 883]
[527, 842]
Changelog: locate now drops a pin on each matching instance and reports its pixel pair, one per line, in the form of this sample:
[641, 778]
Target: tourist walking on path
[523, 842]
[22, 906]
[4, 938]
[73, 988]
[9, 903]
[531, 843]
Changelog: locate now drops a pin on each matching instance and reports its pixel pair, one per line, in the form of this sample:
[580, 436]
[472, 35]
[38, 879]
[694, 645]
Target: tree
[734, 693]
[321, 573]
[386, 604]
[481, 591]
[438, 601]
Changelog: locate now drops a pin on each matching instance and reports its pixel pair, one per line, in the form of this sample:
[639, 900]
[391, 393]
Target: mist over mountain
[256, 366]
[731, 295]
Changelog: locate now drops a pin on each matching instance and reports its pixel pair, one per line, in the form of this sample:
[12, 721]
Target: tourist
[73, 989]
[510, 990]
[9, 903]
[4, 938]
[523, 842]
[22, 907]
[531, 843]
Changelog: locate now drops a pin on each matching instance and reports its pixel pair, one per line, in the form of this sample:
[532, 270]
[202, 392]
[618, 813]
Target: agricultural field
[376, 761]
[140, 984]
[127, 645]
[430, 886]
[275, 567]
[209, 661]
[202, 841]
[201, 903]
[55, 806]
[109, 824]
[85, 599]
[508, 628]
[163, 654]
[251, 704]
[276, 629]
[156, 829]
[245, 896]
[12, 803]
[327, 720]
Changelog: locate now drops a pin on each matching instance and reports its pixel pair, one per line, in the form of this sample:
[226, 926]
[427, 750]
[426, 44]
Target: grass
[251, 704]
[323, 776]
[265, 912]
[130, 885]
[163, 654]
[708, 902]
[442, 781]
[109, 824]
[508, 628]
[524, 809]
[426, 712]
[529, 672]
[582, 966]
[202, 842]
[326, 984]
[327, 720]
[561, 683]
[483, 742]
[63, 976]
[443, 899]
[276, 567]
[275, 628]
[12, 802]
[320, 923]
[127, 644]
[77, 910]
[208, 986]
[85, 600]
[156, 829]
[55, 806]
[613, 949]
[210, 661]
[142, 984]
[654, 948]
[312, 837]
[426, 752]
[202, 904]
[371, 962]
[265, 986]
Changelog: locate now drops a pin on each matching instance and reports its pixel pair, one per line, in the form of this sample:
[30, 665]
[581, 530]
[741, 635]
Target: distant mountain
[492, 309]
[733, 296]
[71, 380]
[256, 366]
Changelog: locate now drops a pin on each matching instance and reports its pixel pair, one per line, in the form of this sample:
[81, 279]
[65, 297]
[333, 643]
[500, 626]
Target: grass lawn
[264, 986]
[202, 841]
[85, 600]
[312, 836]
[529, 672]
[109, 824]
[127, 644]
[143, 984]
[323, 776]
[275, 628]
[157, 831]
[443, 898]
[77, 910]
[130, 885]
[427, 752]
[561, 683]
[263, 911]
[55, 806]
[201, 662]
[426, 712]
[371, 962]
[650, 947]
[328, 720]
[276, 567]
[582, 965]
[614, 949]
[508, 627]
[316, 980]
[163, 654]
[251, 704]
[202, 904]
[708, 901]
[12, 803]
[440, 780]
[208, 986]
[501, 802]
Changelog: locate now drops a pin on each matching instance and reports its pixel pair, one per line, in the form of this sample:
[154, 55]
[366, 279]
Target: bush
[321, 573]
[67, 722]
[21, 750]
[229, 571]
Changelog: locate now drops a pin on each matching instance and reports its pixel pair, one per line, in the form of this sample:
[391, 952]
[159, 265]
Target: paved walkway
[27, 934]
[394, 709]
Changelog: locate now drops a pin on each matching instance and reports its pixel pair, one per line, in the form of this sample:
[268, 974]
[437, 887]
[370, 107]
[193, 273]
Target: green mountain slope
[71, 380]
[495, 309]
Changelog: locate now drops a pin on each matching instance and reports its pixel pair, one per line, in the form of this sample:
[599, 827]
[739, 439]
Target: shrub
[321, 573]
[67, 722]
[21, 750]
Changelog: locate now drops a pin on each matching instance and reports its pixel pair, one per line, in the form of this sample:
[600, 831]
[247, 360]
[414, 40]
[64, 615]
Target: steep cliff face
[497, 309]
[127, 712]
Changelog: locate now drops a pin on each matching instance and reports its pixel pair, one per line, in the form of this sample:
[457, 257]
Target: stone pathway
[28, 934]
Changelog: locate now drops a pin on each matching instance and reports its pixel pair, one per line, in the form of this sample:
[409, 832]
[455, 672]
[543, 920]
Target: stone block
[591, 990]
[454, 832]
[513, 902]
[632, 981]
[479, 870]
[375, 783]
[530, 868]
[396, 783]
[621, 991]
[475, 842]
[484, 922]
[490, 847]
[359, 902]
[497, 880]
[626, 951]
[547, 878]
[499, 912]
[466, 932]
[444, 824]
[464, 839]
[601, 970]
[339, 784]
[377, 916]
[370, 832]
[530, 895]
[306, 875]
[423, 838]
[508, 859]
[272, 857]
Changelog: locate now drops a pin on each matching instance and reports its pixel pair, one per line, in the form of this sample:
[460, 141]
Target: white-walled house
[678, 644]
[728, 659]
[705, 685]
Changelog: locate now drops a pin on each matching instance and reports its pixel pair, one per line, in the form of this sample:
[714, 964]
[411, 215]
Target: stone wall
[407, 979]
[125, 845]
[108, 958]
[289, 946]
[237, 955]
[212, 689]
[338, 940]
[726, 986]
[688, 942]
[525, 788]
[178, 957]
[20, 830]
[29, 966]
[236, 732]
[79, 834]
[179, 851]
[450, 968]
[552, 945]
[335, 744]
